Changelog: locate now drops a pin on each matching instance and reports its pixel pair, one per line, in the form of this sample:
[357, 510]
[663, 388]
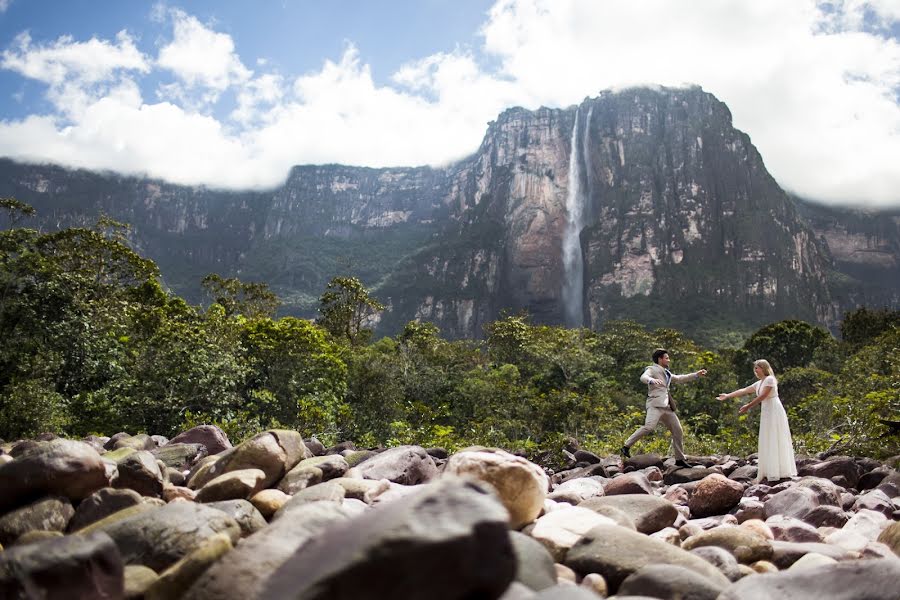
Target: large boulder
[159, 537]
[560, 529]
[534, 565]
[628, 483]
[140, 472]
[843, 467]
[101, 504]
[616, 553]
[48, 514]
[448, 541]
[244, 572]
[180, 456]
[406, 465]
[274, 452]
[874, 579]
[233, 485]
[521, 484]
[213, 438]
[69, 567]
[670, 581]
[715, 495]
[648, 513]
[60, 467]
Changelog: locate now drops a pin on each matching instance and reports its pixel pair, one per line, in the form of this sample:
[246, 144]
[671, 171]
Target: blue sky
[232, 93]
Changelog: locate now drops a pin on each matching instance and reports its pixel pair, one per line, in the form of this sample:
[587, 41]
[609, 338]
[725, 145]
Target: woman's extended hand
[722, 397]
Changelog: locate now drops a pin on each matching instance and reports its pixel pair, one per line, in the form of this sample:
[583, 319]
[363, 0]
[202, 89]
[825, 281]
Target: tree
[345, 307]
[253, 300]
[863, 325]
[785, 344]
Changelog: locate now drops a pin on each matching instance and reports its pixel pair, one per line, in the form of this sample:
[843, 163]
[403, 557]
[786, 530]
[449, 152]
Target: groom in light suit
[661, 405]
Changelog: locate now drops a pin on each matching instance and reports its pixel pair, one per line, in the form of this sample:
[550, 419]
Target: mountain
[643, 203]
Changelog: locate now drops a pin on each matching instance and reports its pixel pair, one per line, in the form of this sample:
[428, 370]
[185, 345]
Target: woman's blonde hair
[764, 365]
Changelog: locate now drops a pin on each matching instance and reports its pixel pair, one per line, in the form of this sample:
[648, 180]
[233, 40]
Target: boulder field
[279, 516]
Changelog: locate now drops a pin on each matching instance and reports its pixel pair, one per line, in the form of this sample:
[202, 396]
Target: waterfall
[573, 262]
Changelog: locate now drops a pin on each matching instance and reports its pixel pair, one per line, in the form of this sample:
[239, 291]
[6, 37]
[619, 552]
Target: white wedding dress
[776, 449]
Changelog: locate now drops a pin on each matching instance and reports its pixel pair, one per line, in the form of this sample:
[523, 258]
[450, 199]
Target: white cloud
[88, 62]
[4, 4]
[815, 85]
[201, 57]
[820, 104]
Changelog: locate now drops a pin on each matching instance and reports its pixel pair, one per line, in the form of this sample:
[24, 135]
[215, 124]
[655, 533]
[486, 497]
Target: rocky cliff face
[643, 203]
[680, 218]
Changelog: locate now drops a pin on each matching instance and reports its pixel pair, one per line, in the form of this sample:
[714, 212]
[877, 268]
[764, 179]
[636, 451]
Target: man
[661, 406]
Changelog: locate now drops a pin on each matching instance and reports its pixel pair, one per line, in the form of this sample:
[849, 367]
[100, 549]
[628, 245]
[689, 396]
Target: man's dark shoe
[683, 464]
[626, 452]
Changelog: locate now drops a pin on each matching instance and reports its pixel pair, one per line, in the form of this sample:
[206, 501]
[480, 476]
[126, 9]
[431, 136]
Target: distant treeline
[93, 343]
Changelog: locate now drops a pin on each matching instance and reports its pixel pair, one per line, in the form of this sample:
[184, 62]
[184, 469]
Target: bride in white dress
[776, 450]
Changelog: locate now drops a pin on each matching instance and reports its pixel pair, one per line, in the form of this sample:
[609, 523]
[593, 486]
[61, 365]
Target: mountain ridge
[681, 221]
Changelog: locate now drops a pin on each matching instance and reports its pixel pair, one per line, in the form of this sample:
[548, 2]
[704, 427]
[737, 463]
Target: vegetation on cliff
[94, 344]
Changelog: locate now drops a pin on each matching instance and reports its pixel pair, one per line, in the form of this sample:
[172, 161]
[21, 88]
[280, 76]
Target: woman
[776, 451]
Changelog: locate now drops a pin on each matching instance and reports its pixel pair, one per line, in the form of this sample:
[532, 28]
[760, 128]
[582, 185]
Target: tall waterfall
[573, 261]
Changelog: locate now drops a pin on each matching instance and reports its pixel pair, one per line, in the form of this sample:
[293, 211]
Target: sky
[232, 93]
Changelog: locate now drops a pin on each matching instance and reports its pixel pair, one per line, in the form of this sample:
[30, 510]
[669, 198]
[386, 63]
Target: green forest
[93, 343]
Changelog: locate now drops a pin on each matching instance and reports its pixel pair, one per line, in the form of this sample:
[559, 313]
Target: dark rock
[715, 495]
[827, 516]
[274, 452]
[59, 467]
[872, 478]
[534, 565]
[747, 546]
[448, 541]
[210, 436]
[682, 475]
[181, 456]
[590, 458]
[649, 513]
[438, 453]
[744, 474]
[48, 514]
[406, 465]
[65, 568]
[159, 537]
[341, 447]
[628, 483]
[244, 572]
[247, 516]
[140, 472]
[315, 447]
[615, 553]
[101, 504]
[874, 579]
[670, 581]
[720, 558]
[843, 466]
[111, 442]
[794, 502]
[638, 462]
[141, 441]
[875, 500]
[784, 554]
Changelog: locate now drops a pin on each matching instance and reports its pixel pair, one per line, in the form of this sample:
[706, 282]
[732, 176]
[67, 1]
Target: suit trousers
[656, 414]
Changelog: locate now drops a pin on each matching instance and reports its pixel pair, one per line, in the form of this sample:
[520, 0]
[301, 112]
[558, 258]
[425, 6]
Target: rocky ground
[282, 517]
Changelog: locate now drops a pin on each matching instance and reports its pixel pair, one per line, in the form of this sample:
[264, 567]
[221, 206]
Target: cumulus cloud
[201, 57]
[815, 83]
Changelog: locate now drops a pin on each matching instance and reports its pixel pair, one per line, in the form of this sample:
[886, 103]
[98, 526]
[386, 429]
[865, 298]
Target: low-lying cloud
[815, 84]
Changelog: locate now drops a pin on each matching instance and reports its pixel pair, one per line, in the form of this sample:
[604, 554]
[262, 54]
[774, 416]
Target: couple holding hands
[776, 452]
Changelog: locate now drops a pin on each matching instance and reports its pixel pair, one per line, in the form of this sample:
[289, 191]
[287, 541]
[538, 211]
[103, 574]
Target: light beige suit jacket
[658, 394]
